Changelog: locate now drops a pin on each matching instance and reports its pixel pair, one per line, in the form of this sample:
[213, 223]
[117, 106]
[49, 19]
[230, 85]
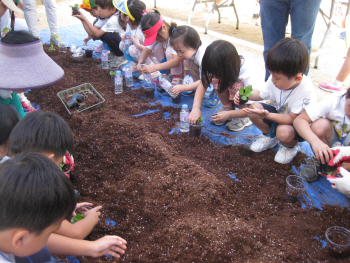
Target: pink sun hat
[151, 34]
[27, 66]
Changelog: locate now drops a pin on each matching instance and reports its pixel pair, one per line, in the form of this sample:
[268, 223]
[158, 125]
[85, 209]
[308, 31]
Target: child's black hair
[8, 120]
[288, 56]
[18, 37]
[221, 61]
[150, 19]
[105, 4]
[34, 193]
[136, 8]
[43, 132]
[187, 35]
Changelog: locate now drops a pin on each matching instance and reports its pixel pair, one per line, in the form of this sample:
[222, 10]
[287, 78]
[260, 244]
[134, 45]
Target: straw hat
[11, 5]
[27, 66]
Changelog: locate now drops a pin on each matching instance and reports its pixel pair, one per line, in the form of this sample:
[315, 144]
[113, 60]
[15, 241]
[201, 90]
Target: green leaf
[51, 48]
[244, 98]
[77, 218]
[249, 95]
[199, 120]
[6, 29]
[241, 91]
[248, 89]
[113, 72]
[76, 5]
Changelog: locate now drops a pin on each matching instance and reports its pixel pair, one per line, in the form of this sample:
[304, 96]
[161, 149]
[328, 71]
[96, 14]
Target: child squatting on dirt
[49, 134]
[287, 92]
[131, 12]
[227, 71]
[108, 30]
[330, 127]
[158, 33]
[35, 198]
[187, 43]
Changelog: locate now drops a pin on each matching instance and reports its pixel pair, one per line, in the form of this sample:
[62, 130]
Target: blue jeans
[274, 18]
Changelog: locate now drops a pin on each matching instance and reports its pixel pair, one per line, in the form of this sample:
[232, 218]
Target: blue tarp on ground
[318, 193]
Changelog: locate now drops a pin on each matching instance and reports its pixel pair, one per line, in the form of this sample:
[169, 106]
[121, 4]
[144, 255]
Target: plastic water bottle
[146, 76]
[104, 59]
[128, 76]
[118, 83]
[184, 126]
[128, 41]
[166, 85]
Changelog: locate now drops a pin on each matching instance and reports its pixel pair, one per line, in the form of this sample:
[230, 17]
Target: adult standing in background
[274, 18]
[29, 8]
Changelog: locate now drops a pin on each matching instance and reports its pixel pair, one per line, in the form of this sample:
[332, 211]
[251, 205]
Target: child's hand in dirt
[135, 40]
[220, 116]
[111, 245]
[261, 113]
[342, 184]
[176, 89]
[86, 40]
[194, 116]
[322, 151]
[236, 98]
[80, 208]
[94, 212]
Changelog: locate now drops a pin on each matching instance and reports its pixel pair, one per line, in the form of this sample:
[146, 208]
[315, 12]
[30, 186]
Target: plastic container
[104, 59]
[128, 41]
[177, 99]
[184, 126]
[128, 76]
[195, 130]
[338, 242]
[88, 52]
[78, 57]
[146, 76]
[166, 85]
[118, 84]
[62, 47]
[296, 187]
[83, 89]
[149, 89]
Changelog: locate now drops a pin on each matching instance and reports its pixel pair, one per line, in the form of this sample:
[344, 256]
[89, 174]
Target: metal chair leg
[234, 8]
[191, 13]
[207, 23]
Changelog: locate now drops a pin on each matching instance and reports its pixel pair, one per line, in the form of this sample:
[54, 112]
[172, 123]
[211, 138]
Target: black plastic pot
[195, 130]
[241, 102]
[326, 169]
[88, 53]
[75, 10]
[177, 99]
[149, 92]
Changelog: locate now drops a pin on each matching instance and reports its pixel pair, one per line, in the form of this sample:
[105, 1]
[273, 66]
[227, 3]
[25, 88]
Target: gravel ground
[247, 39]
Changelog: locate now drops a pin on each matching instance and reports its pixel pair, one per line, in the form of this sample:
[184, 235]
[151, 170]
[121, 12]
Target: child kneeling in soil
[288, 91]
[157, 39]
[49, 134]
[131, 12]
[227, 71]
[330, 127]
[112, 27]
[188, 45]
[35, 198]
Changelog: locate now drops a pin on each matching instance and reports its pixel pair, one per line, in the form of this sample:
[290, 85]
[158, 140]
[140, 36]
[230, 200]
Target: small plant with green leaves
[244, 94]
[198, 122]
[6, 29]
[113, 73]
[75, 9]
[51, 48]
[195, 130]
[77, 218]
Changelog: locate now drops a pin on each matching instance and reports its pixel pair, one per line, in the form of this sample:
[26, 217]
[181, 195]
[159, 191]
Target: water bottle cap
[119, 72]
[184, 106]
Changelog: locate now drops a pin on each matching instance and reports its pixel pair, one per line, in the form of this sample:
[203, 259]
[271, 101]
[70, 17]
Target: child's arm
[135, 40]
[91, 29]
[83, 227]
[61, 245]
[197, 101]
[188, 87]
[280, 118]
[172, 63]
[143, 56]
[320, 149]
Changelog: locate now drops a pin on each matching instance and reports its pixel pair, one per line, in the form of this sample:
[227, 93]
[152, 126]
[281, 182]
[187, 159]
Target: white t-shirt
[9, 256]
[5, 21]
[112, 24]
[294, 100]
[165, 44]
[136, 32]
[100, 22]
[332, 108]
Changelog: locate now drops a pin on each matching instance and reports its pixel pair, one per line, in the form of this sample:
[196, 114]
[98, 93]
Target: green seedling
[77, 218]
[75, 9]
[6, 29]
[51, 48]
[74, 6]
[112, 73]
[199, 120]
[246, 92]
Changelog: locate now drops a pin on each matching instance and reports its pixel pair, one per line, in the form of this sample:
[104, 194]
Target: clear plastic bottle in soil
[118, 83]
[146, 76]
[184, 126]
[104, 59]
[166, 85]
[128, 76]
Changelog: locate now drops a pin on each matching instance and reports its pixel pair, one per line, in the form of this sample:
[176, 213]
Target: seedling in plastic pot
[244, 94]
[75, 9]
[112, 73]
[195, 130]
[326, 169]
[199, 120]
[51, 48]
[77, 218]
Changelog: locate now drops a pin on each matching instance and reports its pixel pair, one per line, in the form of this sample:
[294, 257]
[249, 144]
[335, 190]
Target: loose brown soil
[170, 194]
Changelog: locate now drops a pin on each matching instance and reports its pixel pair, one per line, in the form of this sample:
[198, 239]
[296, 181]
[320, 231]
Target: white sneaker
[286, 154]
[263, 143]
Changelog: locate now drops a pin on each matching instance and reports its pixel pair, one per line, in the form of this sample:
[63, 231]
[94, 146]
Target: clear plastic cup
[338, 242]
[62, 47]
[146, 76]
[296, 187]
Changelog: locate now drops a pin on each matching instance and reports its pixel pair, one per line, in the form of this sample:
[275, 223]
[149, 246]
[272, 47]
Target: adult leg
[303, 15]
[51, 15]
[274, 19]
[29, 9]
[113, 40]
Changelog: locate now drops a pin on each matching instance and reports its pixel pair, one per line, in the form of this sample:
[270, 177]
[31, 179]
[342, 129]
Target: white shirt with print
[112, 24]
[136, 32]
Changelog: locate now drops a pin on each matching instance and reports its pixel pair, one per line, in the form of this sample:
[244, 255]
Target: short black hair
[8, 120]
[150, 19]
[105, 4]
[288, 56]
[34, 193]
[19, 37]
[187, 35]
[221, 60]
[43, 132]
[136, 8]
